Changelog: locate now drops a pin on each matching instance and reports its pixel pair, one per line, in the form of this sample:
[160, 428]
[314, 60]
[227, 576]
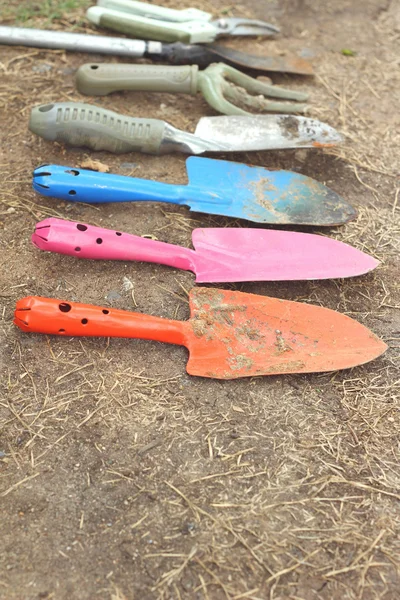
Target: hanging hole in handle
[77, 249]
[99, 241]
[105, 311]
[64, 307]
[94, 67]
[73, 172]
[61, 331]
[72, 192]
[84, 321]
[118, 233]
[81, 227]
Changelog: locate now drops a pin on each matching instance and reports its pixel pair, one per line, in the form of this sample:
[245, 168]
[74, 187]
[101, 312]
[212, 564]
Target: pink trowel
[219, 255]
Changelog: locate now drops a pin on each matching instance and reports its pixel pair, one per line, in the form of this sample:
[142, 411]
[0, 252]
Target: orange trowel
[229, 334]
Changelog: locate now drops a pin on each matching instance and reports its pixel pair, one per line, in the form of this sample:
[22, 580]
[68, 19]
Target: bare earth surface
[123, 478]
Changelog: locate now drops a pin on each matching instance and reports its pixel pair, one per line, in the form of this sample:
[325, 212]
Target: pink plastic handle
[87, 241]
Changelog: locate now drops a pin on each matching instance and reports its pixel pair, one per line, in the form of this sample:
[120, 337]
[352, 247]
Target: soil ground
[121, 476]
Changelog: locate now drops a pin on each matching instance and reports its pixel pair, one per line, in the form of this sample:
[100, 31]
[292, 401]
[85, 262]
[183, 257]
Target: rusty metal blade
[260, 64]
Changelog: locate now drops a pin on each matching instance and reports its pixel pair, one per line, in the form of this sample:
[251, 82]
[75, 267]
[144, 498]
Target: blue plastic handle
[81, 185]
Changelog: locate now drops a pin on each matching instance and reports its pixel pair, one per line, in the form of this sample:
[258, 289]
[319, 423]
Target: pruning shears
[149, 21]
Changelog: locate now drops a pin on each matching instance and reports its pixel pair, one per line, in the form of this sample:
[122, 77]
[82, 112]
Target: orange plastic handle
[59, 317]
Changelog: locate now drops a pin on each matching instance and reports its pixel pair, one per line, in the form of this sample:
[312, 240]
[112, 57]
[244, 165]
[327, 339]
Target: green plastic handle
[153, 11]
[100, 79]
[151, 29]
[84, 125]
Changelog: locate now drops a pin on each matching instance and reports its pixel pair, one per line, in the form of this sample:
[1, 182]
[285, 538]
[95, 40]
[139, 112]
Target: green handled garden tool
[222, 86]
[149, 21]
[78, 124]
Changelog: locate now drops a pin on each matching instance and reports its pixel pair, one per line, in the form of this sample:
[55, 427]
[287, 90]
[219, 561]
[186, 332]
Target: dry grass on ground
[123, 478]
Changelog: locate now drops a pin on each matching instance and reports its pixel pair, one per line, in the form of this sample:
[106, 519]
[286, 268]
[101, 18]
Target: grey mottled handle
[100, 79]
[78, 124]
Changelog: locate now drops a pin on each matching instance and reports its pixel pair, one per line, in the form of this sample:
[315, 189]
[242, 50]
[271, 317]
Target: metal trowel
[229, 334]
[176, 53]
[221, 254]
[85, 125]
[216, 187]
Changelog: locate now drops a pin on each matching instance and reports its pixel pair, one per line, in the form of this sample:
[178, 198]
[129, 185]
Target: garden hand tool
[220, 255]
[97, 128]
[229, 334]
[177, 53]
[204, 55]
[215, 187]
[222, 86]
[167, 25]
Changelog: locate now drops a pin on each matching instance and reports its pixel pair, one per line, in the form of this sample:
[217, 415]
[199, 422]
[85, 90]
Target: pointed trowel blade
[267, 132]
[240, 254]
